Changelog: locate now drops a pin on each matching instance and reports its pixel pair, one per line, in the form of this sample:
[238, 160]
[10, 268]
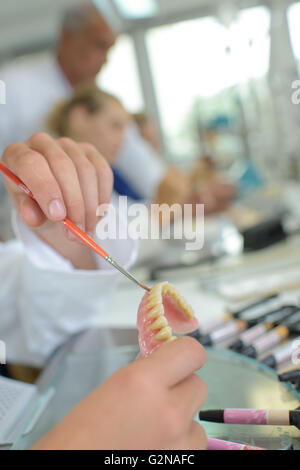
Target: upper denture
[162, 310]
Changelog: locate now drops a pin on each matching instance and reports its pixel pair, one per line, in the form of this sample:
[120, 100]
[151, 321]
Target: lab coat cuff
[44, 257]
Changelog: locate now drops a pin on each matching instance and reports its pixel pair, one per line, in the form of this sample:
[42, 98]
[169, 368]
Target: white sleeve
[44, 300]
[139, 165]
[10, 110]
[11, 126]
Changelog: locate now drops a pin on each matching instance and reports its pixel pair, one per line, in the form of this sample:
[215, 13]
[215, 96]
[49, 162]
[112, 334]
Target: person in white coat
[35, 84]
[43, 267]
[52, 287]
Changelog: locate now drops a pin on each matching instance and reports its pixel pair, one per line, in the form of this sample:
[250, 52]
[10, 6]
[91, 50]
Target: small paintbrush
[75, 230]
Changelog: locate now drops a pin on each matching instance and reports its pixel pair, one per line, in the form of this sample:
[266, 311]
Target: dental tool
[76, 231]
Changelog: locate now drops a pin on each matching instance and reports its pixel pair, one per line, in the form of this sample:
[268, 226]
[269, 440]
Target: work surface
[202, 285]
[232, 381]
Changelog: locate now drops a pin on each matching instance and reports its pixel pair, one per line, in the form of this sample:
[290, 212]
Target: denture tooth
[182, 303]
[153, 295]
[186, 308]
[160, 322]
[155, 312]
[177, 297]
[165, 287]
[171, 339]
[190, 312]
[172, 294]
[156, 290]
[169, 290]
[153, 302]
[164, 334]
[172, 289]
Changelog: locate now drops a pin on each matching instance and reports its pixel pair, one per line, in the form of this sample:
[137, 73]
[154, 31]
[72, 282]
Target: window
[293, 19]
[137, 8]
[120, 75]
[199, 67]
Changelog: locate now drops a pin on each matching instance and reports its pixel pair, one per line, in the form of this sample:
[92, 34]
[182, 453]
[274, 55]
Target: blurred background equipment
[215, 76]
[211, 85]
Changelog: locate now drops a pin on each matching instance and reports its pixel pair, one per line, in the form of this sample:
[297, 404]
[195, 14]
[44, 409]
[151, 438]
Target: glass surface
[232, 381]
[120, 75]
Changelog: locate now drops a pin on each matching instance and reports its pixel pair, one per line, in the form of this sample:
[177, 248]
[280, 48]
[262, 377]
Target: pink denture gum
[163, 311]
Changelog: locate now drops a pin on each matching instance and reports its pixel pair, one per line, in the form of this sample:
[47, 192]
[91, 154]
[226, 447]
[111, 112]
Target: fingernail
[56, 209]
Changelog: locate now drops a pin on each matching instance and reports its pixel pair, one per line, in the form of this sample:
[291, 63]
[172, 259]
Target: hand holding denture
[149, 404]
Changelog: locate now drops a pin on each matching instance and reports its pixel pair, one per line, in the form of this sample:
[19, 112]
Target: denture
[163, 311]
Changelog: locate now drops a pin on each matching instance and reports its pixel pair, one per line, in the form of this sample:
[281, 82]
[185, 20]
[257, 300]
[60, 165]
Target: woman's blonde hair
[91, 98]
[141, 118]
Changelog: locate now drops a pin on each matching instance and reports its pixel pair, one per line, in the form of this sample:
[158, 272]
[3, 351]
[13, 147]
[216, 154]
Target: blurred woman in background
[99, 118]
[148, 130]
[92, 116]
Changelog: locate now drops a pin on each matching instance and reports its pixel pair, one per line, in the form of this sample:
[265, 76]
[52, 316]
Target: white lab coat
[33, 86]
[139, 165]
[44, 300]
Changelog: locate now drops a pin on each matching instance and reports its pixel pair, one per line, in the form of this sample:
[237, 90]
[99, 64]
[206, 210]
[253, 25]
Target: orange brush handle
[84, 238]
[72, 227]
[16, 180]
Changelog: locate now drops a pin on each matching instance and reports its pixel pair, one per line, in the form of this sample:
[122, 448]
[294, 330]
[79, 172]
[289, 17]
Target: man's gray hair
[76, 17]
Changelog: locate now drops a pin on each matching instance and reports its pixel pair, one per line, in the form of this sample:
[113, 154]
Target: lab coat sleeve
[8, 117]
[10, 112]
[149, 169]
[46, 300]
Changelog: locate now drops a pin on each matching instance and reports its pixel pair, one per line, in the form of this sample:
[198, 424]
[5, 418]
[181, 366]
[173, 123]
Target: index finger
[33, 170]
[103, 171]
[180, 358]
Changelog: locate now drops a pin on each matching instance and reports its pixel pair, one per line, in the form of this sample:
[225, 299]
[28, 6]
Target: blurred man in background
[36, 84]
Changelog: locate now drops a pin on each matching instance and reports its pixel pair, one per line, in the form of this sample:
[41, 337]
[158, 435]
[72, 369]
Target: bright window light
[137, 8]
[120, 75]
[293, 18]
[201, 58]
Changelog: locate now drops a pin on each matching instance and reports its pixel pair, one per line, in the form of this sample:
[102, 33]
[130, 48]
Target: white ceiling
[32, 24]
[29, 22]
[170, 6]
